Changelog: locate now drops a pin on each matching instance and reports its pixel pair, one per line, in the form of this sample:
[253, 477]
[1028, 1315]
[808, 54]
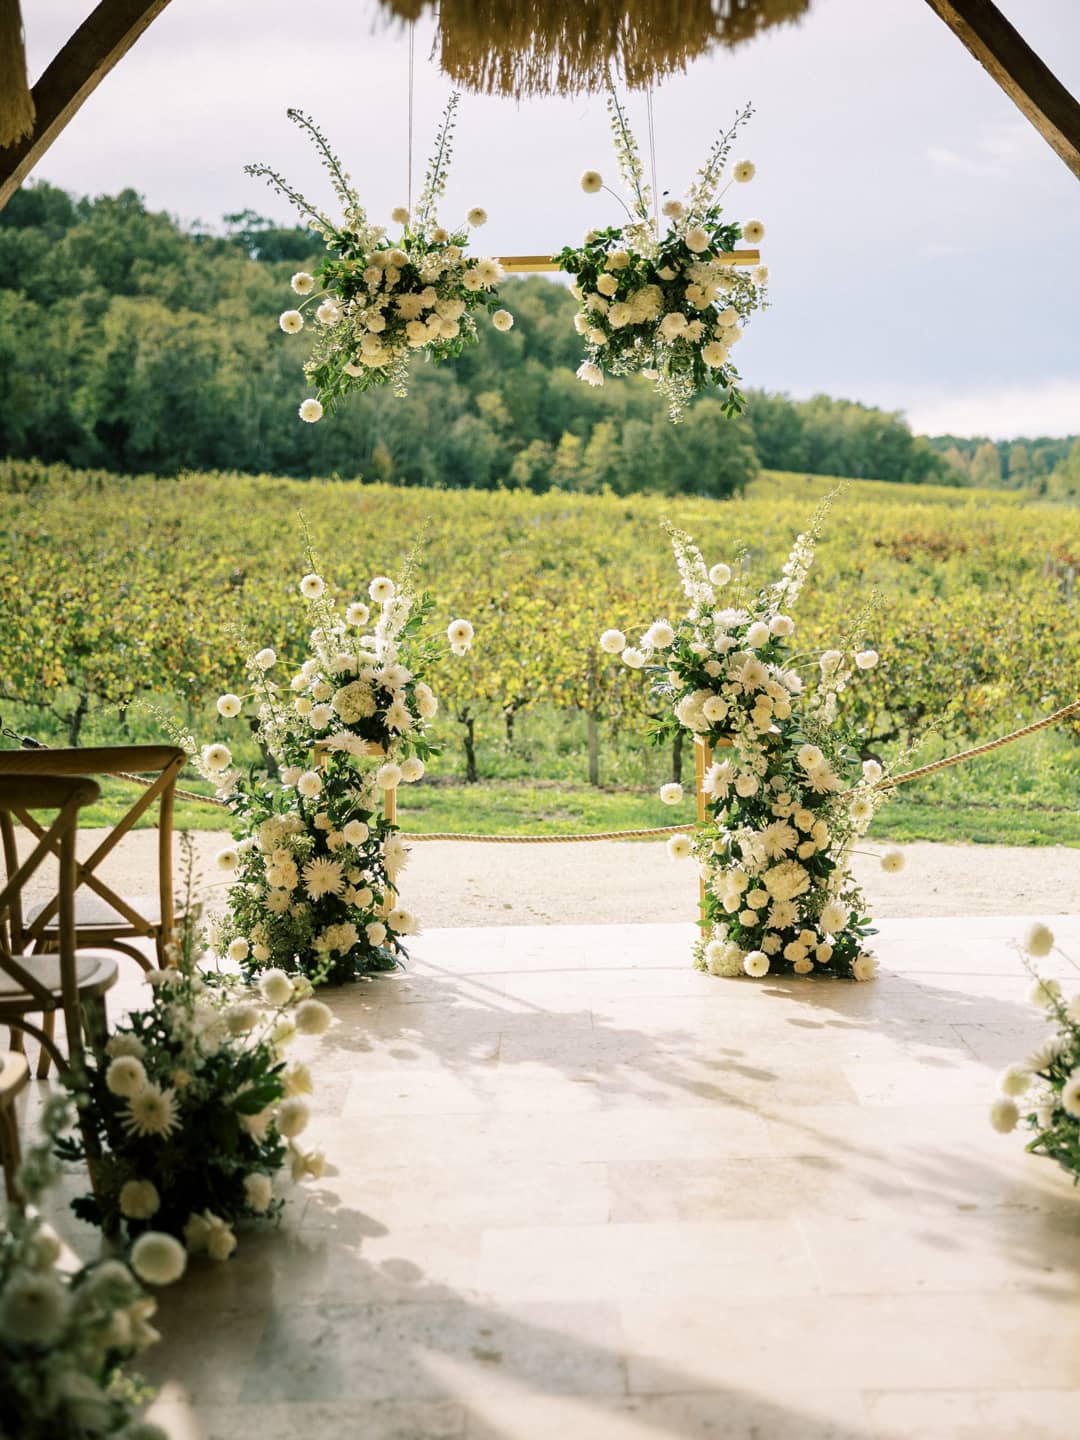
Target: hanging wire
[412, 62]
[652, 160]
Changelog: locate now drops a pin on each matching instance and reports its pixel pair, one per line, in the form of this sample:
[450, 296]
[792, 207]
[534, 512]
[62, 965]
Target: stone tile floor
[578, 1190]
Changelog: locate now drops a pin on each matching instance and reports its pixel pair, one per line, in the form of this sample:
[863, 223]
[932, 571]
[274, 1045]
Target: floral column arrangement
[787, 795]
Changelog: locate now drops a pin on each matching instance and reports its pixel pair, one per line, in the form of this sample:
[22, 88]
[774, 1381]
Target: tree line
[134, 344]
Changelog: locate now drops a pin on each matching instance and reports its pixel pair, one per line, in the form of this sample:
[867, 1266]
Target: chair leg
[44, 1064]
[95, 1021]
[12, 1157]
[15, 1040]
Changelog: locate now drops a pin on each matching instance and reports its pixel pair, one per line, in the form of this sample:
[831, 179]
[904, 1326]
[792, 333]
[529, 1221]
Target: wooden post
[702, 761]
[1010, 61]
[104, 37]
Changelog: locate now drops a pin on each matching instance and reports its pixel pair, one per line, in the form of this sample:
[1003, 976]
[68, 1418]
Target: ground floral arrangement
[378, 301]
[66, 1333]
[664, 304]
[788, 795]
[193, 1105]
[315, 863]
[1047, 1084]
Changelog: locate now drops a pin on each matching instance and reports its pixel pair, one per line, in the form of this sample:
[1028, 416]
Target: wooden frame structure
[113, 26]
[544, 264]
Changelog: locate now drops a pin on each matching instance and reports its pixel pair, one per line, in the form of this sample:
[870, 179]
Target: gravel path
[621, 882]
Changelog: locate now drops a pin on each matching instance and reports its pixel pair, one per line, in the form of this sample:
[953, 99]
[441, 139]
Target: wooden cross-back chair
[73, 981]
[104, 919]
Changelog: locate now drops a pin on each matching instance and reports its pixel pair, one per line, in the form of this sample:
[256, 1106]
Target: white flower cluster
[668, 305]
[785, 810]
[59, 1327]
[315, 868]
[201, 1048]
[1048, 1081]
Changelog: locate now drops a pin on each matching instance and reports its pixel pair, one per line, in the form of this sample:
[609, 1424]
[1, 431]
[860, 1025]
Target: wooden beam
[1004, 53]
[540, 264]
[104, 37]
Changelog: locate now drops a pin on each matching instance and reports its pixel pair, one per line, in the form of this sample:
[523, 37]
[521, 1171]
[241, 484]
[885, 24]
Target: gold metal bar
[702, 761]
[543, 264]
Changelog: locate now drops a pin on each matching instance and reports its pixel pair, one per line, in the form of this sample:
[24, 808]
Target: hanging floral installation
[1044, 1090]
[315, 861]
[787, 796]
[663, 303]
[378, 301]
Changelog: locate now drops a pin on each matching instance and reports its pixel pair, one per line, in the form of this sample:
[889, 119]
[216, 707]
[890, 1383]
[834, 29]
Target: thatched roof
[562, 47]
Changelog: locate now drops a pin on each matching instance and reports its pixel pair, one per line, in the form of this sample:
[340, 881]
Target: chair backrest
[164, 762]
[21, 796]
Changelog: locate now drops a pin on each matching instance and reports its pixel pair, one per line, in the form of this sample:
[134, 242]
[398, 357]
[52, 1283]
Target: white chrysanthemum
[1045, 993]
[328, 313]
[412, 769]
[292, 1117]
[357, 613]
[275, 987]
[239, 949]
[872, 772]
[1069, 1099]
[382, 589]
[376, 932]
[459, 632]
[313, 1017]
[502, 320]
[125, 1076]
[399, 215]
[402, 921]
[591, 181]
[302, 283]
[125, 1045]
[241, 1019]
[659, 636]
[220, 1242]
[782, 625]
[674, 209]
[34, 1308]
[152, 1111]
[680, 847]
[388, 776]
[312, 587]
[258, 1191]
[757, 634]
[309, 784]
[1038, 940]
[867, 659]
[591, 374]
[714, 355]
[612, 641]
[756, 964]
[426, 704]
[323, 876]
[1004, 1115]
[697, 239]
[834, 917]
[216, 757]
[229, 706]
[489, 272]
[760, 274]
[291, 321]
[319, 716]
[864, 967]
[1047, 1052]
[786, 880]
[671, 793]
[139, 1199]
[1014, 1080]
[743, 171]
[892, 861]
[861, 810]
[310, 410]
[753, 231]
[477, 216]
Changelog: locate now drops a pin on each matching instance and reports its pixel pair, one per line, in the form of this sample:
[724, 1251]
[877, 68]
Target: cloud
[1000, 152]
[1047, 407]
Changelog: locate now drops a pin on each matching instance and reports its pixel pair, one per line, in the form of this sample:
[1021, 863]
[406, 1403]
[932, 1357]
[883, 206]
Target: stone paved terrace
[578, 1190]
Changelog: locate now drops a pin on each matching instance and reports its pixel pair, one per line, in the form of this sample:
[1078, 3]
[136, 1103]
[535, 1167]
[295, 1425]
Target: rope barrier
[944, 764]
[963, 755]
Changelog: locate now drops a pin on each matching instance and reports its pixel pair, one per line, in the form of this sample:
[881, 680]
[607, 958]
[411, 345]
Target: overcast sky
[922, 238]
